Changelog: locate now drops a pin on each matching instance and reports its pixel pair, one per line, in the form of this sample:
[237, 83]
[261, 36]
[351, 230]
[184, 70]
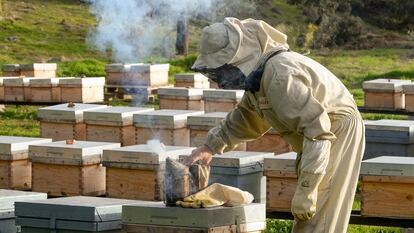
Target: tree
[181, 43]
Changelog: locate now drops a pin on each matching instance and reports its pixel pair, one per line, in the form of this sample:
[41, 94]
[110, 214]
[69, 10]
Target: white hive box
[389, 138]
[170, 126]
[154, 75]
[82, 90]
[45, 90]
[61, 122]
[156, 217]
[62, 169]
[280, 172]
[192, 80]
[241, 169]
[181, 98]
[38, 70]
[271, 141]
[7, 200]
[221, 100]
[71, 214]
[17, 89]
[408, 89]
[1, 89]
[388, 187]
[15, 168]
[11, 70]
[112, 124]
[200, 125]
[136, 172]
[384, 93]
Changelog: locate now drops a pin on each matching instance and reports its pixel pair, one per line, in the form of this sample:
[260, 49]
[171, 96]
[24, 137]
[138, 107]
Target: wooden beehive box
[112, 124]
[170, 126]
[136, 172]
[181, 98]
[45, 90]
[156, 217]
[61, 122]
[408, 90]
[389, 138]
[47, 70]
[17, 89]
[280, 172]
[12, 70]
[71, 214]
[221, 100]
[199, 126]
[192, 80]
[384, 93]
[63, 169]
[272, 141]
[388, 187]
[140, 74]
[1, 89]
[7, 200]
[82, 90]
[15, 168]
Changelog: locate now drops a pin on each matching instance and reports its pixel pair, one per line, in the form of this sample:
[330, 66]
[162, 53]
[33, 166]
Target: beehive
[181, 98]
[136, 172]
[7, 200]
[112, 124]
[388, 187]
[47, 70]
[82, 90]
[1, 89]
[61, 122]
[192, 80]
[221, 100]
[63, 169]
[45, 90]
[280, 172]
[389, 138]
[243, 170]
[156, 217]
[17, 89]
[384, 93]
[170, 126]
[140, 74]
[71, 214]
[15, 168]
[408, 90]
[272, 141]
[200, 125]
[11, 70]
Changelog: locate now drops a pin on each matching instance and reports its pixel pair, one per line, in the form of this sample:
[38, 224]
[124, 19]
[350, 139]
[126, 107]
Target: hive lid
[282, 162]
[385, 84]
[388, 130]
[164, 118]
[180, 92]
[388, 166]
[8, 197]
[208, 119]
[78, 153]
[38, 66]
[121, 114]
[44, 82]
[223, 94]
[81, 82]
[17, 82]
[238, 159]
[144, 154]
[12, 147]
[63, 113]
[191, 77]
[11, 67]
[80, 213]
[408, 88]
[157, 213]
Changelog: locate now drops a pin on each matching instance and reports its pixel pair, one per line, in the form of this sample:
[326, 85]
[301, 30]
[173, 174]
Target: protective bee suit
[303, 101]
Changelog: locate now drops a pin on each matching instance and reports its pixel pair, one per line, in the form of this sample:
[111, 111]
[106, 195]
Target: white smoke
[156, 146]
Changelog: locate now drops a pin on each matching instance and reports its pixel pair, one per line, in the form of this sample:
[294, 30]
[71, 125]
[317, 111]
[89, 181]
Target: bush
[89, 68]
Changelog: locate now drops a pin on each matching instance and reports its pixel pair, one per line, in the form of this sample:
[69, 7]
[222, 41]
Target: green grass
[19, 121]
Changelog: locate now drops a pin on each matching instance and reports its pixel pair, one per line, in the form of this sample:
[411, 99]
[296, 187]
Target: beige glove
[217, 195]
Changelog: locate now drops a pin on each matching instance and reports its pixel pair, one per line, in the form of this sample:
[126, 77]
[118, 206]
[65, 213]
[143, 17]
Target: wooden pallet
[269, 143]
[15, 174]
[62, 131]
[280, 188]
[170, 137]
[105, 133]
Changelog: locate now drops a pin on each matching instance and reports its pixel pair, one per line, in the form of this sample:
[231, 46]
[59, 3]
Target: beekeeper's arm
[290, 95]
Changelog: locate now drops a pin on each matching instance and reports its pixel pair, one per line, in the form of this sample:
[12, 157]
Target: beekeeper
[298, 97]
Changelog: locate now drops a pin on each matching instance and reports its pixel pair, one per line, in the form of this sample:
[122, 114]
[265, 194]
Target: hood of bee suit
[238, 42]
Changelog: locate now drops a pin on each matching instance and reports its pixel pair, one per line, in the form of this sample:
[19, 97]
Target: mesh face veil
[226, 76]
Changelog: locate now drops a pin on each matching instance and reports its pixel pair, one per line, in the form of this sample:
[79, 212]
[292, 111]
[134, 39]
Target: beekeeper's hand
[304, 200]
[201, 153]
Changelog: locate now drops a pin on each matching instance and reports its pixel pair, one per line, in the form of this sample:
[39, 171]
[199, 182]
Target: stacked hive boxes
[68, 168]
[221, 100]
[192, 80]
[17, 89]
[82, 90]
[30, 70]
[181, 98]
[136, 172]
[384, 93]
[45, 90]
[112, 124]
[15, 168]
[12, 70]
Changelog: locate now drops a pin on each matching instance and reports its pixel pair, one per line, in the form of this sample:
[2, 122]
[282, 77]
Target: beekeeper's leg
[337, 189]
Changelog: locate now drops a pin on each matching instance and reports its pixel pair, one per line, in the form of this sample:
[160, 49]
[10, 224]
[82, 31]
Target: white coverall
[305, 103]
